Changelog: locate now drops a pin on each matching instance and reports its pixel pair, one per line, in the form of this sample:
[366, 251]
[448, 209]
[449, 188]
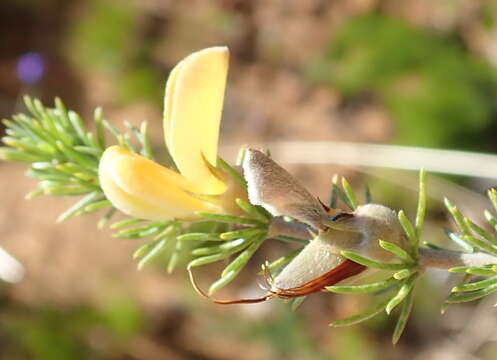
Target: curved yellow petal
[128, 204]
[142, 188]
[192, 113]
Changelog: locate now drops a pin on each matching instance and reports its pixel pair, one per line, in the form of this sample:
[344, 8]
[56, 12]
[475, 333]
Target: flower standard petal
[192, 114]
[142, 188]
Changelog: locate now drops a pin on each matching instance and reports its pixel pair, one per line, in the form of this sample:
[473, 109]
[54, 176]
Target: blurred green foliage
[286, 333]
[488, 13]
[107, 38]
[437, 93]
[84, 332]
[351, 343]
[105, 34]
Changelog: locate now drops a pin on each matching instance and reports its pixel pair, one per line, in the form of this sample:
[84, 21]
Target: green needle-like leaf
[457, 239]
[227, 247]
[106, 218]
[403, 292]
[243, 233]
[297, 302]
[492, 194]
[175, 256]
[232, 172]
[334, 193]
[255, 211]
[481, 232]
[242, 259]
[97, 205]
[470, 296]
[491, 219]
[338, 193]
[111, 128]
[404, 273]
[361, 289]
[431, 245]
[222, 282]
[234, 268]
[144, 249]
[485, 270]
[282, 261]
[204, 260]
[291, 239]
[153, 253]
[230, 219]
[16, 155]
[368, 198]
[352, 199]
[78, 206]
[475, 285]
[140, 229]
[98, 117]
[371, 263]
[420, 213]
[397, 250]
[457, 216]
[481, 271]
[199, 237]
[403, 317]
[478, 243]
[366, 315]
[127, 222]
[138, 235]
[409, 230]
[145, 141]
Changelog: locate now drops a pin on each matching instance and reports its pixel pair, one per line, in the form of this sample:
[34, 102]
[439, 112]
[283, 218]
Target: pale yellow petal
[128, 204]
[192, 114]
[141, 188]
[148, 180]
[168, 101]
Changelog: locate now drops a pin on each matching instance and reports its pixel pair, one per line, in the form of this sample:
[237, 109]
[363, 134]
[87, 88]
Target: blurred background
[412, 72]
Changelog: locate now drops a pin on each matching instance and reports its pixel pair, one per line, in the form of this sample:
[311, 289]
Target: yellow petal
[128, 204]
[142, 188]
[192, 113]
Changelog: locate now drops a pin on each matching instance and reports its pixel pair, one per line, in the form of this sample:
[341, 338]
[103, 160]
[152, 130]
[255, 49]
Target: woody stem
[446, 259]
[428, 258]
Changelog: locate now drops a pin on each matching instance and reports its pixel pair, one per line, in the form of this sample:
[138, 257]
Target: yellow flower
[193, 104]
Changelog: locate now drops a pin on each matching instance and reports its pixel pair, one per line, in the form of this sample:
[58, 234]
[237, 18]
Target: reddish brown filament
[326, 207]
[226, 302]
[344, 270]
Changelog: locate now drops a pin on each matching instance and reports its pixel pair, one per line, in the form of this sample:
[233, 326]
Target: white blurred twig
[386, 156]
[11, 270]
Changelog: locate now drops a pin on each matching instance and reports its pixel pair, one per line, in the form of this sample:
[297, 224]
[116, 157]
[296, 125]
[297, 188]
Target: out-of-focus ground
[415, 72]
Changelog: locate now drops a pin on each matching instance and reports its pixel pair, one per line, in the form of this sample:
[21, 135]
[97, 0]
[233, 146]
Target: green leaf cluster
[232, 240]
[64, 155]
[473, 238]
[401, 284]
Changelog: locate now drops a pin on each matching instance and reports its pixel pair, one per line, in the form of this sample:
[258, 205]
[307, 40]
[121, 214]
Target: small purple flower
[30, 68]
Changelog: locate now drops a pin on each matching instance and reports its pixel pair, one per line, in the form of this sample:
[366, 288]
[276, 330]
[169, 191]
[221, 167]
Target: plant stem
[428, 258]
[279, 226]
[446, 259]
